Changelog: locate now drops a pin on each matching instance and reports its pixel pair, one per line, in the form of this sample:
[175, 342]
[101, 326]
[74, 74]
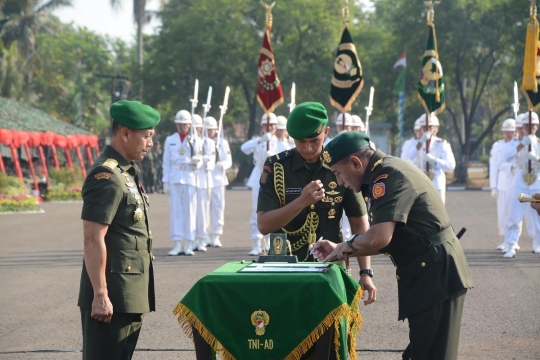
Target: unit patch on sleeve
[103, 175]
[378, 190]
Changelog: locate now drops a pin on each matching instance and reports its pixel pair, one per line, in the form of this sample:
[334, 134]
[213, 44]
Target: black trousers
[434, 333]
[113, 341]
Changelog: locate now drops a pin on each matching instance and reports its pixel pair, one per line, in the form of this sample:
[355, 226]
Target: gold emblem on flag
[260, 320]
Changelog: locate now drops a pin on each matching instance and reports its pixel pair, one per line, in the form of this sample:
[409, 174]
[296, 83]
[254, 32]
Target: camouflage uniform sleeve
[102, 193]
[268, 199]
[392, 198]
[354, 204]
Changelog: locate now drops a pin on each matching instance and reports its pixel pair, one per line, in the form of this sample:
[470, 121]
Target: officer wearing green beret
[117, 281]
[409, 223]
[295, 184]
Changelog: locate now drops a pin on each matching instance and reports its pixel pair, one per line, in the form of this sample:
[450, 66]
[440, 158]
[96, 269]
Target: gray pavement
[41, 255]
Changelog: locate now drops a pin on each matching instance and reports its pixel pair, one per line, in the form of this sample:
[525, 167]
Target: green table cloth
[272, 315]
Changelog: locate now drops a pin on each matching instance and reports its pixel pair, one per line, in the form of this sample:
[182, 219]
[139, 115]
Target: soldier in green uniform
[295, 184]
[409, 223]
[117, 281]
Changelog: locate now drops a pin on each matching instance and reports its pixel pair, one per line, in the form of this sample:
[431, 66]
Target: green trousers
[434, 333]
[113, 341]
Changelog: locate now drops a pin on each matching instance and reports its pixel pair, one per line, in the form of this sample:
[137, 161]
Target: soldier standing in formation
[524, 181]
[410, 224]
[300, 196]
[181, 160]
[117, 279]
[408, 144]
[500, 174]
[223, 162]
[285, 142]
[158, 165]
[207, 151]
[439, 159]
[261, 148]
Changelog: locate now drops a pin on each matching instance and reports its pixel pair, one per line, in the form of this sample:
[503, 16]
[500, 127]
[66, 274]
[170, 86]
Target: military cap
[134, 115]
[343, 145]
[508, 125]
[307, 120]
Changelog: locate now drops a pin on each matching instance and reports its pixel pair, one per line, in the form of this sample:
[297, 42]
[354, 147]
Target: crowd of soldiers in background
[514, 168]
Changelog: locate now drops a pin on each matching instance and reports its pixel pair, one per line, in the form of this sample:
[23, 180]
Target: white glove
[430, 158]
[425, 137]
[527, 140]
[265, 138]
[205, 159]
[195, 159]
[532, 156]
[166, 189]
[494, 193]
[219, 165]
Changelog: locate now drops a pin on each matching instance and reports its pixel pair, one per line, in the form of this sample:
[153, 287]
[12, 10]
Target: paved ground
[41, 254]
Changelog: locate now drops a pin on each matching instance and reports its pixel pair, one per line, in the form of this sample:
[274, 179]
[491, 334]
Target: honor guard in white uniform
[410, 143]
[261, 148]
[359, 126]
[181, 160]
[284, 141]
[223, 160]
[500, 173]
[438, 160]
[526, 180]
[345, 125]
[207, 151]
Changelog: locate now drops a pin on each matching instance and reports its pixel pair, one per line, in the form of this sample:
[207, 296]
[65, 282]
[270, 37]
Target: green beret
[134, 115]
[307, 120]
[343, 145]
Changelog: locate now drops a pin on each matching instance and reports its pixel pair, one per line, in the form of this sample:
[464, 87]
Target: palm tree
[140, 19]
[20, 22]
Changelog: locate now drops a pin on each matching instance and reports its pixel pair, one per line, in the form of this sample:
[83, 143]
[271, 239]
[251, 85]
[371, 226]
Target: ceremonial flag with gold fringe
[347, 81]
[269, 92]
[430, 84]
[531, 67]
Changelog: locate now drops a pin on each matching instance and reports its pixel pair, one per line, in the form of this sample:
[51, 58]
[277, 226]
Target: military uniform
[204, 186]
[284, 176]
[431, 269]
[113, 195]
[217, 200]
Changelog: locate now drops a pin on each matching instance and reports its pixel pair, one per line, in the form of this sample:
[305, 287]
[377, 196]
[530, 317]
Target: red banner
[269, 92]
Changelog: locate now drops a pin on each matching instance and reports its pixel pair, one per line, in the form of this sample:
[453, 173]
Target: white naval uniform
[517, 210]
[406, 149]
[260, 153]
[446, 162]
[220, 181]
[500, 178]
[284, 144]
[181, 176]
[204, 184]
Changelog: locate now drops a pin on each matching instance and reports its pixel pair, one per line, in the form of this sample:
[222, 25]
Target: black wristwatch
[350, 241]
[369, 272]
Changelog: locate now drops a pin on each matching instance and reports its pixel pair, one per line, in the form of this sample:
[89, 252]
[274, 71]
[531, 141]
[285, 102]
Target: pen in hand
[313, 248]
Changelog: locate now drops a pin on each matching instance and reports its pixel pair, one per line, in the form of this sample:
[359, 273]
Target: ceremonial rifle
[206, 108]
[369, 108]
[223, 110]
[292, 105]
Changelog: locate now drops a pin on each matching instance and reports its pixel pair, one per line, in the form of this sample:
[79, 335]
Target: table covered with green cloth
[272, 315]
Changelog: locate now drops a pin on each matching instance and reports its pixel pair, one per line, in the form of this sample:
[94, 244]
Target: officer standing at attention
[223, 160]
[410, 143]
[261, 148]
[438, 160]
[181, 160]
[500, 174]
[410, 224]
[117, 280]
[284, 141]
[296, 185]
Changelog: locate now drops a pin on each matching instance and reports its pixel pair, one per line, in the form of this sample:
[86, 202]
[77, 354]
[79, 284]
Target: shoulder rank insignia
[103, 175]
[383, 176]
[260, 319]
[282, 155]
[378, 190]
[110, 163]
[376, 164]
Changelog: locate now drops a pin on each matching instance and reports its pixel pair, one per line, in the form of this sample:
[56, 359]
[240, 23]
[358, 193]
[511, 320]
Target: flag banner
[402, 61]
[431, 85]
[347, 81]
[269, 91]
[531, 68]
